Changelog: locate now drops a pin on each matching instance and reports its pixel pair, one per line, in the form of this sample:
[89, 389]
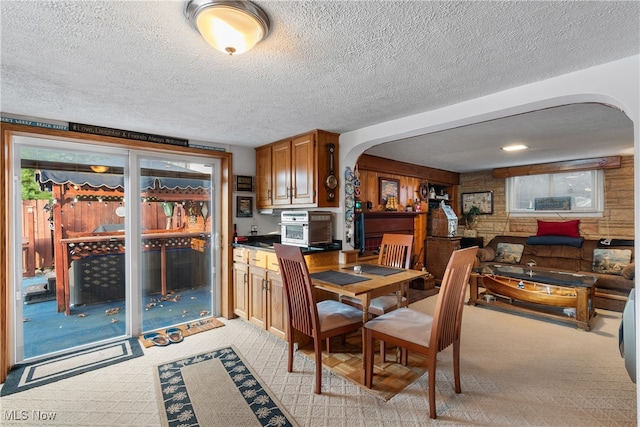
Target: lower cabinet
[259, 293]
[241, 290]
[277, 307]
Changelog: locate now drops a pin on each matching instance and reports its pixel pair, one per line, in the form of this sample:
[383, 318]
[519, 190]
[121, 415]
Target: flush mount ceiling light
[516, 147]
[232, 27]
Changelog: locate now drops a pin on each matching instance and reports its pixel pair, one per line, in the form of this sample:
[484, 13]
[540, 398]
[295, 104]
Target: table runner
[338, 278]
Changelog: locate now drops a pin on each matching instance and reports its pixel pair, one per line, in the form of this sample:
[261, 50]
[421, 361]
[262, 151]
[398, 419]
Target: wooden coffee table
[557, 295]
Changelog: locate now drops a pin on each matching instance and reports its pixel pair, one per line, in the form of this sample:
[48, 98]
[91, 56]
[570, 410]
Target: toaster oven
[306, 228]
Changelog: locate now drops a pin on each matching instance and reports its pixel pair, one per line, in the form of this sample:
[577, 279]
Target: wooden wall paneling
[382, 165]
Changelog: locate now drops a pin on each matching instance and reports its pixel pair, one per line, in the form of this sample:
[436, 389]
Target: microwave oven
[305, 228]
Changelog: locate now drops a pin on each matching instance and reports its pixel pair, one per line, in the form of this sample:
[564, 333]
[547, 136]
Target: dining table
[363, 281]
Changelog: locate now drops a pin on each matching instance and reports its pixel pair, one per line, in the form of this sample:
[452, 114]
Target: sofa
[615, 276]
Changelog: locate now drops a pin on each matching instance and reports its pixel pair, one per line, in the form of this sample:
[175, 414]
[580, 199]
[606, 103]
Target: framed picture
[482, 199]
[244, 207]
[389, 187]
[243, 183]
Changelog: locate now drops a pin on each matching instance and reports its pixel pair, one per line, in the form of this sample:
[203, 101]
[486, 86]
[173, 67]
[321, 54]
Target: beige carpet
[514, 371]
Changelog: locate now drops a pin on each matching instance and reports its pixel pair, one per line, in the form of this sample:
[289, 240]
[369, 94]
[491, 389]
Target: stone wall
[617, 221]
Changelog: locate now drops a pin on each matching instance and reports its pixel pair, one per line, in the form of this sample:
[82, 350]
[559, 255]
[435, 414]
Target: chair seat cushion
[386, 302]
[383, 303]
[333, 314]
[404, 323]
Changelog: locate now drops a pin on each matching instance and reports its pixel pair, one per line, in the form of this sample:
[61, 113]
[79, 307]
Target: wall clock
[331, 181]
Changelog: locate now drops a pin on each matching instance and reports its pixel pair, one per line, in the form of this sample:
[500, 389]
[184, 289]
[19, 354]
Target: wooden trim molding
[393, 167]
[613, 162]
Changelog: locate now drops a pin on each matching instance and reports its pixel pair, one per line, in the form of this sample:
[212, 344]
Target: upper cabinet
[301, 171]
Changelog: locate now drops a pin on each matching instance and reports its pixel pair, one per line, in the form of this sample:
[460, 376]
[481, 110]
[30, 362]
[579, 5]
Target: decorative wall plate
[349, 202]
[348, 174]
[348, 215]
[348, 188]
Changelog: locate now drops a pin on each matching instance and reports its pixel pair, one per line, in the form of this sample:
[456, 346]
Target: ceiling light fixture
[517, 147]
[232, 27]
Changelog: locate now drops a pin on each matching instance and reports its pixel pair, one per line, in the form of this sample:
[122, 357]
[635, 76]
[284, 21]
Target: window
[579, 193]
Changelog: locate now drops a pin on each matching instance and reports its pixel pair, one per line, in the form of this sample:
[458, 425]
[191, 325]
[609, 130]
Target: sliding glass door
[114, 242]
[177, 216]
[72, 286]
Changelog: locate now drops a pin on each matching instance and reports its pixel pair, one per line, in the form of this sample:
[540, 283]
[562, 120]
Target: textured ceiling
[334, 65]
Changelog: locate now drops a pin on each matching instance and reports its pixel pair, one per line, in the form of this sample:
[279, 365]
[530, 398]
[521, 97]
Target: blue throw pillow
[555, 240]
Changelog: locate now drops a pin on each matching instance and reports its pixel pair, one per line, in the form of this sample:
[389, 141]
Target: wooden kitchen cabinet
[241, 290]
[241, 282]
[293, 172]
[264, 174]
[266, 293]
[258, 291]
[277, 306]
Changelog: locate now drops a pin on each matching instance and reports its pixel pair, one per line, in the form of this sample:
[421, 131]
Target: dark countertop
[266, 243]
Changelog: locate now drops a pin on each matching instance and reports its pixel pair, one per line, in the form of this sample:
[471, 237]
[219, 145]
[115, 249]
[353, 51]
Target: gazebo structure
[88, 230]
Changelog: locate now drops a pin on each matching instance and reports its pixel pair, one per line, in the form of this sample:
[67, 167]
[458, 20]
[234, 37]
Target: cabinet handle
[245, 278]
[264, 284]
[269, 194]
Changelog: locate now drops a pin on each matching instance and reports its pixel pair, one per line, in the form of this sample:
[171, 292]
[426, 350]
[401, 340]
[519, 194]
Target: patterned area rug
[187, 329]
[390, 378]
[24, 377]
[216, 389]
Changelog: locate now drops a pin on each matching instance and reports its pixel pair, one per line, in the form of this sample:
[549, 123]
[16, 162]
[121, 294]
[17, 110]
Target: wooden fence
[37, 237]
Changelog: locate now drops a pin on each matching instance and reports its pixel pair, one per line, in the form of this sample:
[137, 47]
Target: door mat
[27, 376]
[216, 389]
[187, 329]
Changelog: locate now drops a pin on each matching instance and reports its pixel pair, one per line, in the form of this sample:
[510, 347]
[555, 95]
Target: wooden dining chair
[321, 320]
[412, 330]
[395, 251]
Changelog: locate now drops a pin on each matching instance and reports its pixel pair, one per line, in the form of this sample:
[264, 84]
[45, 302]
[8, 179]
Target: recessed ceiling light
[517, 147]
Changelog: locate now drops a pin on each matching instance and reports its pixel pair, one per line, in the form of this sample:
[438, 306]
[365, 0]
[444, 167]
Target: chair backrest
[395, 250]
[298, 289]
[447, 318]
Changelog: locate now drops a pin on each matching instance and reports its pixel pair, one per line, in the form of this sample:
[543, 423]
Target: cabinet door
[281, 173]
[241, 290]
[303, 169]
[263, 177]
[257, 297]
[277, 309]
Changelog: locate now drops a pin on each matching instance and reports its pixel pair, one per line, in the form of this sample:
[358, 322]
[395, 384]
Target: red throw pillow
[565, 228]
